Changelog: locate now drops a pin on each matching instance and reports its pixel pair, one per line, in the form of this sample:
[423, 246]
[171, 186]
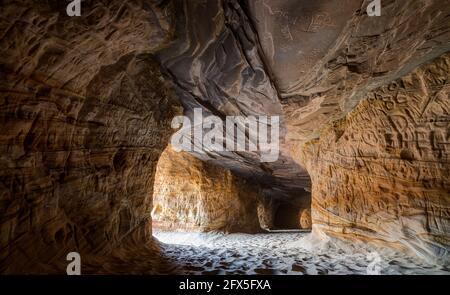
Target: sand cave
[87, 163]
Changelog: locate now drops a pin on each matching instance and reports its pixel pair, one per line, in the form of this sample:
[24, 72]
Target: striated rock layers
[304, 219]
[198, 196]
[85, 114]
[321, 60]
[217, 65]
[382, 173]
[86, 104]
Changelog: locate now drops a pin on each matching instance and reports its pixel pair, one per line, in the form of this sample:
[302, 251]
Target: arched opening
[191, 195]
[212, 221]
[286, 214]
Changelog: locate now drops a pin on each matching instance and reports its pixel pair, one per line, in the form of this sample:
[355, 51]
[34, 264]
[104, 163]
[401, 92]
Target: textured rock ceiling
[295, 35]
[86, 104]
[308, 61]
[216, 64]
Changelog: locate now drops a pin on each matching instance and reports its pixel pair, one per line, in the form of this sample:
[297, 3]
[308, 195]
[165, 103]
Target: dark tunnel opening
[286, 216]
[289, 216]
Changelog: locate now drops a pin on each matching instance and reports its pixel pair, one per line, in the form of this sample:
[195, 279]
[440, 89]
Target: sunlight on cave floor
[281, 253]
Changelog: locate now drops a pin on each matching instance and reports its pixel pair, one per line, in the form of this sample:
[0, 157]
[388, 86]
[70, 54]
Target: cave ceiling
[309, 62]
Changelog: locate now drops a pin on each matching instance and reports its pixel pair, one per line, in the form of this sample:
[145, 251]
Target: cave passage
[356, 107]
[191, 195]
[287, 216]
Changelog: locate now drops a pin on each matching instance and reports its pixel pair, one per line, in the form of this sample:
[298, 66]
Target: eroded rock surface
[382, 173]
[217, 65]
[191, 195]
[321, 60]
[368, 52]
[85, 114]
[304, 217]
[86, 104]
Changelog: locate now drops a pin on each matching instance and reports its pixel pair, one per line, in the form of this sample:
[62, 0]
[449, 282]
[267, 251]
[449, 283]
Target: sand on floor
[283, 253]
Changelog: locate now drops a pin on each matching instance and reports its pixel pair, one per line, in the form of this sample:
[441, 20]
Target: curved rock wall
[382, 173]
[266, 212]
[199, 196]
[85, 114]
[217, 65]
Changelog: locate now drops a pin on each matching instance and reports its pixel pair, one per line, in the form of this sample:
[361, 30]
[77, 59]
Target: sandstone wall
[266, 213]
[327, 74]
[85, 114]
[198, 196]
[382, 173]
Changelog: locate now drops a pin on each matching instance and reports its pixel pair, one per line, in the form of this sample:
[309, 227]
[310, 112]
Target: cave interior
[87, 106]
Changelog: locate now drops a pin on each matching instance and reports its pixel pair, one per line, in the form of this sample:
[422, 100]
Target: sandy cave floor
[283, 253]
